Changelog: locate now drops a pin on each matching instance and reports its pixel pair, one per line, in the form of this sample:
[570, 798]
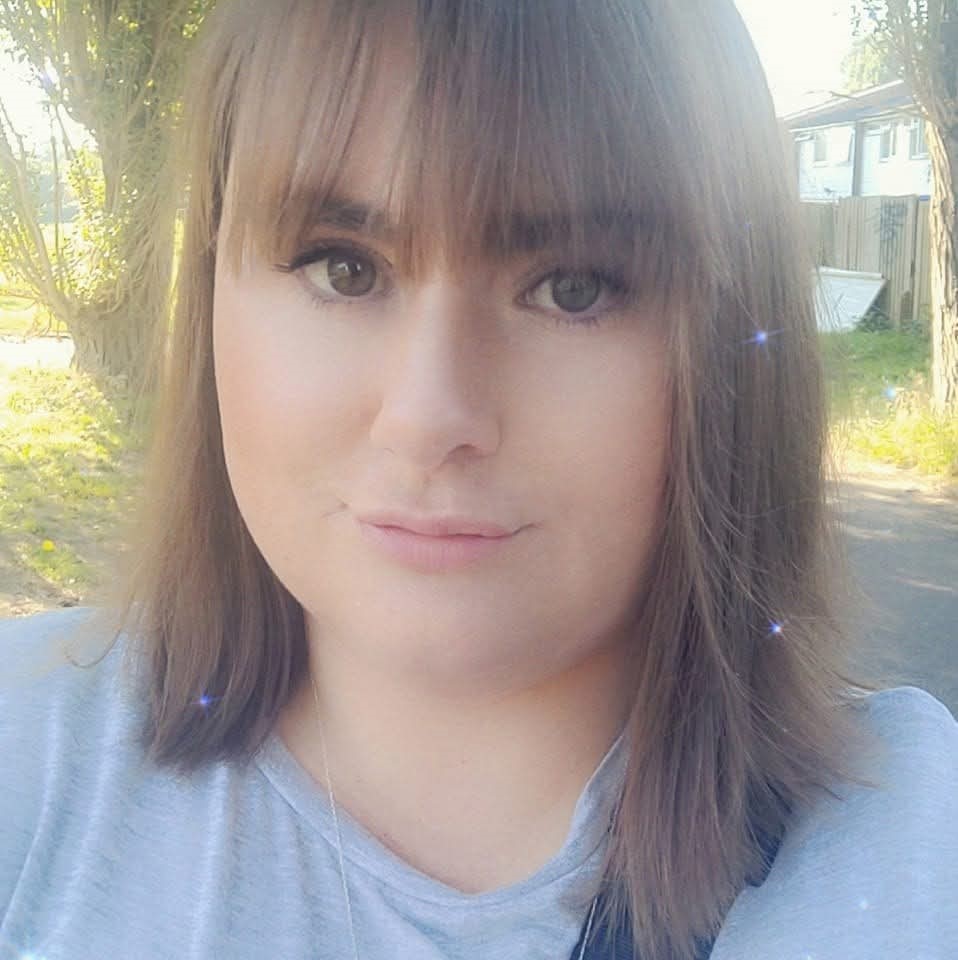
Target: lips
[448, 525]
[437, 550]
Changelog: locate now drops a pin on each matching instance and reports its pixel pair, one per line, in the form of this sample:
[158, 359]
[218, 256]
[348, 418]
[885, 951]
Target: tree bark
[112, 341]
[943, 149]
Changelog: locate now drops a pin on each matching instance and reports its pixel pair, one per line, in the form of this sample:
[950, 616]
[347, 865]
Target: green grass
[912, 439]
[68, 468]
[880, 401]
[17, 317]
[862, 369]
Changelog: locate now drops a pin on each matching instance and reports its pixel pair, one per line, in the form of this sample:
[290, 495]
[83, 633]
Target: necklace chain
[339, 842]
[339, 836]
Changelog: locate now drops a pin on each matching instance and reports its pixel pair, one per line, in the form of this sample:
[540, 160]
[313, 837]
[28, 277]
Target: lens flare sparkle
[762, 337]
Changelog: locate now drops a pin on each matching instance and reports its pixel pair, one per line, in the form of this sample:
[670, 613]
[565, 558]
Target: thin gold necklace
[339, 842]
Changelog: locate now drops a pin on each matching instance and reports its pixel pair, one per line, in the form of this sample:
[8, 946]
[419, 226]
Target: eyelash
[611, 280]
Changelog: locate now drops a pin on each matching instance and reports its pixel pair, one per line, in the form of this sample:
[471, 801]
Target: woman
[486, 605]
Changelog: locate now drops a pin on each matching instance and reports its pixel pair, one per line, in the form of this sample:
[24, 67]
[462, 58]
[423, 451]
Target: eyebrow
[345, 214]
[524, 234]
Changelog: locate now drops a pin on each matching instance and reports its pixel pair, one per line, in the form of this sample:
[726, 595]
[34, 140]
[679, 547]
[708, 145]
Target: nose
[438, 385]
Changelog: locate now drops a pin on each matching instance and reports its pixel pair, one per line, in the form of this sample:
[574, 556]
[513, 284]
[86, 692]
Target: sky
[20, 101]
[801, 44]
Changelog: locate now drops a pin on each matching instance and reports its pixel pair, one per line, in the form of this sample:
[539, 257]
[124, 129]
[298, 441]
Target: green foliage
[112, 67]
[20, 186]
[863, 367]
[910, 435]
[93, 250]
[875, 321]
[68, 469]
[880, 400]
[869, 62]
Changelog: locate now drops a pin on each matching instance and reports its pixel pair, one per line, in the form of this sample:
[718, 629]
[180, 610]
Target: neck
[477, 792]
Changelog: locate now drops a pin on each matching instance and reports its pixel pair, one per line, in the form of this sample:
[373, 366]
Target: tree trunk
[943, 149]
[112, 346]
[113, 335]
[115, 70]
[113, 340]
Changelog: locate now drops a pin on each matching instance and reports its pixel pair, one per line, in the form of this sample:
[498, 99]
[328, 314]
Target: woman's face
[501, 393]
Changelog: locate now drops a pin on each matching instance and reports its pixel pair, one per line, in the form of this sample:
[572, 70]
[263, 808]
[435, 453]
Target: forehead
[374, 154]
[460, 140]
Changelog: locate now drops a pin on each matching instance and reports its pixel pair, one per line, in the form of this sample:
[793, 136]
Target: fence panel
[819, 219]
[886, 235]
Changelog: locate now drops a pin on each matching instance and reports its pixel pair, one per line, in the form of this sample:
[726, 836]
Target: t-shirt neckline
[361, 850]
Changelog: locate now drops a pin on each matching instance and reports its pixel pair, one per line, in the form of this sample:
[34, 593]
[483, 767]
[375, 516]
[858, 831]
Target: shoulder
[61, 699]
[913, 724]
[909, 713]
[70, 720]
[35, 650]
[53, 717]
[55, 653]
[30, 630]
[870, 869]
[917, 762]
[907, 811]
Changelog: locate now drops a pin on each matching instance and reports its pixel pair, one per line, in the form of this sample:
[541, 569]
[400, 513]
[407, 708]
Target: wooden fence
[886, 235]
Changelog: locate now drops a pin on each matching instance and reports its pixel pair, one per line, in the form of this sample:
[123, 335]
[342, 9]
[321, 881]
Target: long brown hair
[650, 117]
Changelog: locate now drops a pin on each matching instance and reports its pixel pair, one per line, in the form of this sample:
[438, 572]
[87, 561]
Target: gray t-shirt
[103, 856]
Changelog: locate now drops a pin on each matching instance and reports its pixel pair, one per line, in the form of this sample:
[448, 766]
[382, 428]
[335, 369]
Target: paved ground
[903, 548]
[38, 351]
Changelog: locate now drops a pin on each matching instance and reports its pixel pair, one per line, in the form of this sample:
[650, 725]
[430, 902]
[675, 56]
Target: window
[887, 148]
[917, 147]
[821, 147]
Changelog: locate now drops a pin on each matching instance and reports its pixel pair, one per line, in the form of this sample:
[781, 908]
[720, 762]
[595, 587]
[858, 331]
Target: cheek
[612, 425]
[285, 411]
[281, 400]
[613, 463]
[255, 392]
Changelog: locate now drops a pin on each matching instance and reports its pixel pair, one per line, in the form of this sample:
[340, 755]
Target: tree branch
[35, 259]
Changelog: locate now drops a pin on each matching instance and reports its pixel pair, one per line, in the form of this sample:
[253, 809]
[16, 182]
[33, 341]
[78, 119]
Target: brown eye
[575, 292]
[345, 273]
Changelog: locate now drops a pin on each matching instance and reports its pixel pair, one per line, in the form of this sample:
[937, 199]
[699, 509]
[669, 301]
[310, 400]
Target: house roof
[874, 102]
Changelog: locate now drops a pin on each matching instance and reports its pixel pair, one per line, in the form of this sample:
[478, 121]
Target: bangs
[536, 126]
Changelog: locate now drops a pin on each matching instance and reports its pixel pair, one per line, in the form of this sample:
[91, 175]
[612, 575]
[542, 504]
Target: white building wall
[898, 174]
[832, 178]
[871, 163]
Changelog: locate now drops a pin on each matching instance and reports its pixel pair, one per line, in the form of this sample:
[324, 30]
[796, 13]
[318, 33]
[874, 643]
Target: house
[871, 143]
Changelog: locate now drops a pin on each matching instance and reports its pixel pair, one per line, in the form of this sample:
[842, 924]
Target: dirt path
[47, 352]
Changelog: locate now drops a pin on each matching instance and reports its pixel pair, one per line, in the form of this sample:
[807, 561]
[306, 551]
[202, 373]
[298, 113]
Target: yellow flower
[47, 546]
